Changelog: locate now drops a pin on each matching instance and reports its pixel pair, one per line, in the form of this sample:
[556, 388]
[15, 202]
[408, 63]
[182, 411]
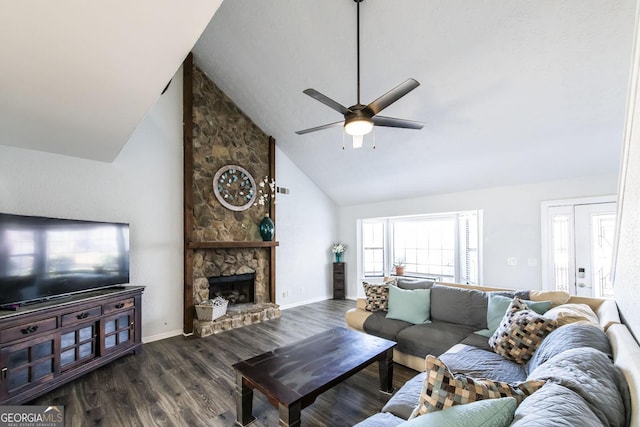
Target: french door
[578, 241]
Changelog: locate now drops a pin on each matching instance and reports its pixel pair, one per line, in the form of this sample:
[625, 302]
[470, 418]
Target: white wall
[306, 227]
[511, 224]
[143, 187]
[626, 280]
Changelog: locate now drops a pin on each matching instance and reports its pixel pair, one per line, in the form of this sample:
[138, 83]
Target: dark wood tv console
[45, 345]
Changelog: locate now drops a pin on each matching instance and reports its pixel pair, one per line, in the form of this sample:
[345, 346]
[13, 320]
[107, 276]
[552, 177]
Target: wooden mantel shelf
[227, 245]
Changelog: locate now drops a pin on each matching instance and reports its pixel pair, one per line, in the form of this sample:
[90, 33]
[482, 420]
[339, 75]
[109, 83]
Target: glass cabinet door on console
[119, 330]
[78, 345]
[26, 364]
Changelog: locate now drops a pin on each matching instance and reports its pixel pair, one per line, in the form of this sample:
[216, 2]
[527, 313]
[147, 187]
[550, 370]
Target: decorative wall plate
[234, 187]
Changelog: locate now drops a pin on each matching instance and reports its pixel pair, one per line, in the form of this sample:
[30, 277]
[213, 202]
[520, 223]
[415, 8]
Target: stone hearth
[237, 315]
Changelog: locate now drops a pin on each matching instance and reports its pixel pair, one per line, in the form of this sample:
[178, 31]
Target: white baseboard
[305, 302]
[161, 336]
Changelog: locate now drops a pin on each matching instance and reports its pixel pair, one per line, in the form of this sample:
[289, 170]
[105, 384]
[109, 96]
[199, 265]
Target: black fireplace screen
[237, 288]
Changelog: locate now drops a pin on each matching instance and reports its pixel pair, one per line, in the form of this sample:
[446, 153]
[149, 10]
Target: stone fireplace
[220, 242]
[238, 274]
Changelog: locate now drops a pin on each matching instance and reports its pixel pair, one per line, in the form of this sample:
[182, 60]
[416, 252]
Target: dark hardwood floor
[190, 382]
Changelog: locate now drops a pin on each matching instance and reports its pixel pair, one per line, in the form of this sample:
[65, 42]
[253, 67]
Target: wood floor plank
[190, 381]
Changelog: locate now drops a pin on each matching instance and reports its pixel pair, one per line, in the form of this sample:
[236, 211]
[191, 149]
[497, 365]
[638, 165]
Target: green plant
[399, 262]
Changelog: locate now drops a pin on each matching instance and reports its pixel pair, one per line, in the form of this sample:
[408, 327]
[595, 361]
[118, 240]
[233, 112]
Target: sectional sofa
[595, 356]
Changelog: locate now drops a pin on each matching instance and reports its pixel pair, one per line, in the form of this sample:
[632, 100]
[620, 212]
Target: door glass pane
[85, 350]
[109, 326]
[110, 341]
[68, 339]
[123, 322]
[42, 350]
[123, 336]
[603, 229]
[17, 378]
[86, 333]
[18, 358]
[42, 369]
[68, 356]
[560, 248]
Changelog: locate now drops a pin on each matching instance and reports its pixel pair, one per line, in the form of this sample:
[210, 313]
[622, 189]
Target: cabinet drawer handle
[30, 329]
[83, 315]
[119, 305]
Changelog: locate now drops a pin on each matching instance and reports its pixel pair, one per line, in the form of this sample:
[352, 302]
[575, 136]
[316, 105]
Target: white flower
[338, 248]
[264, 195]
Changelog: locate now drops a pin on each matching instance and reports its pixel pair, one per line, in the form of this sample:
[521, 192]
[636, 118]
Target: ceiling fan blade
[327, 101]
[396, 123]
[327, 126]
[392, 96]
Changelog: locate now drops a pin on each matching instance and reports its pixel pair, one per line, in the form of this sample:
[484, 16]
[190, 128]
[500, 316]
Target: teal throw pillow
[482, 413]
[412, 306]
[497, 307]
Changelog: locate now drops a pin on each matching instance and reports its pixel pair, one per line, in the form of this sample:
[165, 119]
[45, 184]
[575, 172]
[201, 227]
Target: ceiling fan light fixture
[358, 126]
[358, 141]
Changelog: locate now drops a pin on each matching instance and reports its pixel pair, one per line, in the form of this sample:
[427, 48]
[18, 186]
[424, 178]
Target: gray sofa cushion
[478, 363]
[405, 283]
[405, 400]
[460, 306]
[568, 337]
[381, 419]
[431, 338]
[554, 406]
[377, 324]
[476, 340]
[591, 374]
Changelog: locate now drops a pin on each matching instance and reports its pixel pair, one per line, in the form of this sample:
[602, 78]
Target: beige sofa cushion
[556, 297]
[573, 313]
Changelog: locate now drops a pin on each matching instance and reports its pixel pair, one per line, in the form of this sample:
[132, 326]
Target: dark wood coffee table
[292, 377]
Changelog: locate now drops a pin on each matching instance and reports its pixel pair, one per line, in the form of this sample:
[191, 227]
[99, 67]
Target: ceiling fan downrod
[358, 48]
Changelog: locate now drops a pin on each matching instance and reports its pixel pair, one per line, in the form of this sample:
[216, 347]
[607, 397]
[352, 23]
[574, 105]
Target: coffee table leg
[290, 417]
[244, 402]
[385, 371]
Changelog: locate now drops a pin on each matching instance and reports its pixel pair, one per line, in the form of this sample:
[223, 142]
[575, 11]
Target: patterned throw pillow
[520, 332]
[442, 389]
[377, 295]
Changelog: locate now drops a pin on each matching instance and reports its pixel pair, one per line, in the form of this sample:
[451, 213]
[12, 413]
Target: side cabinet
[338, 280]
[46, 345]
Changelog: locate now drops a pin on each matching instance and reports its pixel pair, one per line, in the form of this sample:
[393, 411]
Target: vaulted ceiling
[77, 77]
[511, 91]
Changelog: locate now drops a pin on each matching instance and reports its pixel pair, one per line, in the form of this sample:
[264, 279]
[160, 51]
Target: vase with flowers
[338, 250]
[266, 196]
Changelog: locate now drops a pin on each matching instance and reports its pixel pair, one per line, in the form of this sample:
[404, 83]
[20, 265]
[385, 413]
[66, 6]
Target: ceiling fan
[360, 119]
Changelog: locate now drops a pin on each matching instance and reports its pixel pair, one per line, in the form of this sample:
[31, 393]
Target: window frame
[388, 249]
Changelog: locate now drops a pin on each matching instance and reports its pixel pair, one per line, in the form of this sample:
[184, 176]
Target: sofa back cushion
[568, 337]
[414, 283]
[592, 375]
[460, 306]
[554, 405]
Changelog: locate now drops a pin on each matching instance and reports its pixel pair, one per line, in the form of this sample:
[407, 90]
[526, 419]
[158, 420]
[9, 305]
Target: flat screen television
[42, 258]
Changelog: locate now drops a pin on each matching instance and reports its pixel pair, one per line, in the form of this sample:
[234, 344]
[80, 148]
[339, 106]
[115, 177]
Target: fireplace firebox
[237, 288]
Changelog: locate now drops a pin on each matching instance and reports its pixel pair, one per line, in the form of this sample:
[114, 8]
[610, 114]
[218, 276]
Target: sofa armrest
[608, 314]
[626, 356]
[355, 318]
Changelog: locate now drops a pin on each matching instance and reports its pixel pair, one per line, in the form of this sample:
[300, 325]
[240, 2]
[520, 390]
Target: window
[443, 246]
[373, 237]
